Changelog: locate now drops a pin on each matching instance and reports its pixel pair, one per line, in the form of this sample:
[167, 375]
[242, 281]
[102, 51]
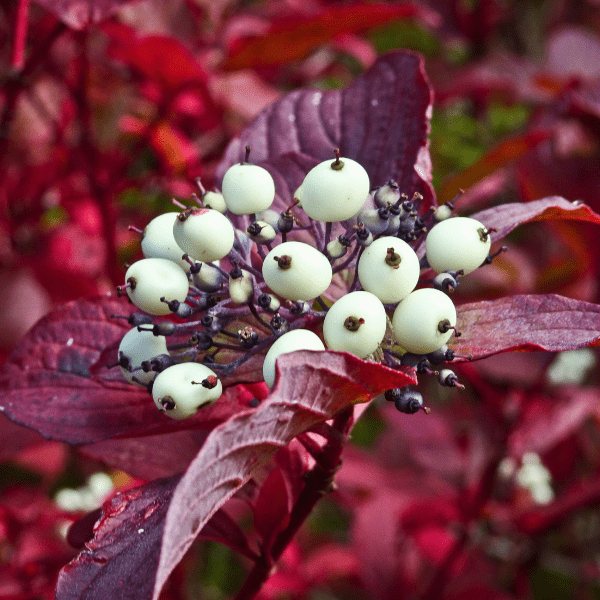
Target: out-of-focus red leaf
[159, 58]
[47, 385]
[506, 217]
[293, 38]
[544, 421]
[272, 507]
[579, 495]
[381, 120]
[310, 388]
[503, 154]
[79, 14]
[525, 323]
[15, 438]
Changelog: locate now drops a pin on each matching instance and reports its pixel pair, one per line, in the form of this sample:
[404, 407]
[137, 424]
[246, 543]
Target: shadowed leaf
[47, 383]
[381, 120]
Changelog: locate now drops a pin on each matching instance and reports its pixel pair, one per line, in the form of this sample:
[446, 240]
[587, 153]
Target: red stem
[21, 23]
[318, 482]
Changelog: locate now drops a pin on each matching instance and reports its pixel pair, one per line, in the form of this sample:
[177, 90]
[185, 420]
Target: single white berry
[215, 201]
[389, 268]
[457, 244]
[179, 390]
[298, 339]
[150, 279]
[356, 323]
[442, 212]
[241, 289]
[139, 346]
[247, 188]
[158, 240]
[297, 271]
[209, 278]
[423, 321]
[204, 233]
[334, 190]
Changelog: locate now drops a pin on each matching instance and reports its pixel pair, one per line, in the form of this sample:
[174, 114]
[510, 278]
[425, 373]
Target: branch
[318, 482]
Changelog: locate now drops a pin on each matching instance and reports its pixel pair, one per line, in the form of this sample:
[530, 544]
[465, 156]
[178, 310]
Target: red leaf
[381, 120]
[506, 217]
[78, 14]
[47, 384]
[121, 559]
[526, 323]
[272, 507]
[293, 38]
[310, 388]
[547, 421]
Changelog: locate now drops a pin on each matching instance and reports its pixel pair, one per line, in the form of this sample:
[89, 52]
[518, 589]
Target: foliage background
[106, 114]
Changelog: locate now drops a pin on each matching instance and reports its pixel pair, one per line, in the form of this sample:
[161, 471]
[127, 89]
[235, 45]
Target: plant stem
[21, 23]
[318, 482]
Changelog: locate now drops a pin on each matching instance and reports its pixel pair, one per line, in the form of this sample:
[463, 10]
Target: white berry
[297, 271]
[204, 233]
[151, 279]
[334, 194]
[215, 201]
[457, 244]
[158, 240]
[422, 321]
[140, 346]
[178, 390]
[356, 323]
[389, 268]
[248, 189]
[298, 339]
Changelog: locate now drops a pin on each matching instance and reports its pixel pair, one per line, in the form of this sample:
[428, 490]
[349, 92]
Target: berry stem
[318, 482]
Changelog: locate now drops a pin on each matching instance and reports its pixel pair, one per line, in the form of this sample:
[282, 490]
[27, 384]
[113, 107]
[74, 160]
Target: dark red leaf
[525, 323]
[47, 384]
[121, 560]
[506, 217]
[272, 507]
[292, 38]
[82, 531]
[149, 457]
[381, 120]
[78, 14]
[310, 388]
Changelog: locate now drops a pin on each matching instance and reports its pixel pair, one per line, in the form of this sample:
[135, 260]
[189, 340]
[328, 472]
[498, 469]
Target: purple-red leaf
[310, 388]
[381, 120]
[121, 559]
[506, 217]
[526, 323]
[47, 382]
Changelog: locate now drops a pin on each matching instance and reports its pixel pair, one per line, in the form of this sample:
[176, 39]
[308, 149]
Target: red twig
[21, 23]
[318, 482]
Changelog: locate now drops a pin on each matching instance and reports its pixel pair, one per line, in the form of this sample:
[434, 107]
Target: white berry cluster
[202, 274]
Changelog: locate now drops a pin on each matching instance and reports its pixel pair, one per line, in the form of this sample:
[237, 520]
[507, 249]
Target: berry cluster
[202, 269]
